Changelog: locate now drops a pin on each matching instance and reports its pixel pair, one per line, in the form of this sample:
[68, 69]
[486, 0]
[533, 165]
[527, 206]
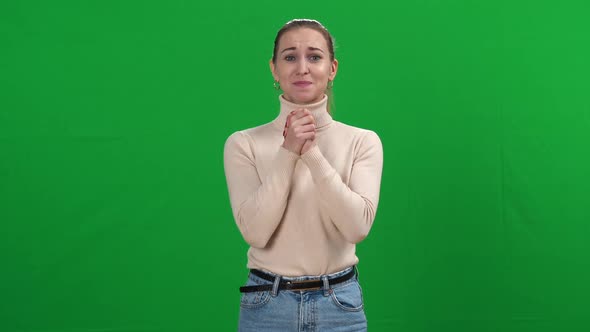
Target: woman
[304, 190]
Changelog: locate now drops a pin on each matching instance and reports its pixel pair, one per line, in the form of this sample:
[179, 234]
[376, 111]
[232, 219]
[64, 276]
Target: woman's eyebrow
[311, 48]
[288, 49]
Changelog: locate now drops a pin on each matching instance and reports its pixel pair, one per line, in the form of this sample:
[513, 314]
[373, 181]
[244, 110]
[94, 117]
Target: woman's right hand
[300, 128]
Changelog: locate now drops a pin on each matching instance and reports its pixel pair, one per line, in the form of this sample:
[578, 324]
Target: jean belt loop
[327, 289]
[275, 286]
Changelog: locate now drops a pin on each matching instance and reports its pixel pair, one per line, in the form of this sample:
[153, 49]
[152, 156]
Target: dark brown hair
[304, 23]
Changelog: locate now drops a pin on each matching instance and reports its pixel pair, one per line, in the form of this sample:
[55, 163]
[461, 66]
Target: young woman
[304, 190]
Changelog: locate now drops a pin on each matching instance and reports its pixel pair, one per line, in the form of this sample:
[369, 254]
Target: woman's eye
[289, 58]
[315, 58]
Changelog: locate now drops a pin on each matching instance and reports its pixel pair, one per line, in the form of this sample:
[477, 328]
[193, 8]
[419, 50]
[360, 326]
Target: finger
[303, 121]
[310, 135]
[300, 112]
[287, 124]
[304, 129]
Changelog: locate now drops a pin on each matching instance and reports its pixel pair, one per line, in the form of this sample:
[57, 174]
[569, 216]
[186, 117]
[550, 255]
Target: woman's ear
[333, 69]
[273, 70]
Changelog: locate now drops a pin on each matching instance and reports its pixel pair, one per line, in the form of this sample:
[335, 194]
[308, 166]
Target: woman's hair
[304, 23]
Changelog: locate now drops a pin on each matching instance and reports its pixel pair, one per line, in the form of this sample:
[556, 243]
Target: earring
[277, 85]
[330, 84]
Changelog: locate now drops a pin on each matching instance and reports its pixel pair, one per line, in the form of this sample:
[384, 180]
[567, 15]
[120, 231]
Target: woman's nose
[302, 67]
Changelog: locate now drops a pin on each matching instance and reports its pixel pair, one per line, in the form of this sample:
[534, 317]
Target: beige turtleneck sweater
[303, 215]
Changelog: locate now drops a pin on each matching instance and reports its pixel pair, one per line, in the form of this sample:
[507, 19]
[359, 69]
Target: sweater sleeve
[257, 204]
[352, 208]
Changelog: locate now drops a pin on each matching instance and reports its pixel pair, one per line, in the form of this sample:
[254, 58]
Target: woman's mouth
[302, 84]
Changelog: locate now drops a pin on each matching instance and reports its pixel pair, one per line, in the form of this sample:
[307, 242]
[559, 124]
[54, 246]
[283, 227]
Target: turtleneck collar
[319, 110]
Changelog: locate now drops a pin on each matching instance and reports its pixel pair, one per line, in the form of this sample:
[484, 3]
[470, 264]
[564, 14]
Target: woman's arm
[257, 204]
[352, 208]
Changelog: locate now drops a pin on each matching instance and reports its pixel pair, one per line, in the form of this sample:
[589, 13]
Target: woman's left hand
[310, 143]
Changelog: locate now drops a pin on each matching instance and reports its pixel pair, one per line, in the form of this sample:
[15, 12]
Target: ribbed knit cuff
[317, 163]
[285, 161]
[287, 154]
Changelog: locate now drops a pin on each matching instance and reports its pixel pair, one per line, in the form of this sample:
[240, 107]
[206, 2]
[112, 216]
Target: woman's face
[303, 66]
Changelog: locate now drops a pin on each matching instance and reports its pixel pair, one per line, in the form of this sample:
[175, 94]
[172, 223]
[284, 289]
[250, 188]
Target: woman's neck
[318, 110]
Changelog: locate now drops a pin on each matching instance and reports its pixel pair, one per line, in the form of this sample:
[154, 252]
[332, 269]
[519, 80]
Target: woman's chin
[304, 98]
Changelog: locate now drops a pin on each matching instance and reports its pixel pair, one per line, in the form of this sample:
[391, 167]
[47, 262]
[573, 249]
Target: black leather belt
[315, 284]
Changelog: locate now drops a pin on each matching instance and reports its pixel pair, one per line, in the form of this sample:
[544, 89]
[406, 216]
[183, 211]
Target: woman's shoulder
[358, 132]
[249, 135]
[365, 143]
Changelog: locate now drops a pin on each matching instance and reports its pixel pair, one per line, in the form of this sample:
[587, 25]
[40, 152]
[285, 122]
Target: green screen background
[114, 212]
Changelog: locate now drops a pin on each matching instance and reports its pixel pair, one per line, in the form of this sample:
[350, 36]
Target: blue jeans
[338, 308]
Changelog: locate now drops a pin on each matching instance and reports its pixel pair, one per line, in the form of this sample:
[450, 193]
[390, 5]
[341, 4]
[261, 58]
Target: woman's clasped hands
[299, 131]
